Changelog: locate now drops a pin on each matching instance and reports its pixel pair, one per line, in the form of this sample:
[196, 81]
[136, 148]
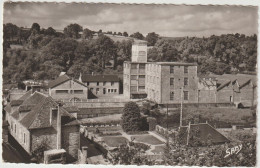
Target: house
[101, 85]
[66, 88]
[37, 119]
[207, 89]
[202, 133]
[239, 89]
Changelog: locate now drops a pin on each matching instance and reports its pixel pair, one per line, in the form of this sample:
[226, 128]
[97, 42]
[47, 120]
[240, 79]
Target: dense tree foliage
[131, 118]
[216, 54]
[51, 52]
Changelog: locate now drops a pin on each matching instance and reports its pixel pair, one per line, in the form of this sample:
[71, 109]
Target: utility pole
[167, 118]
[181, 108]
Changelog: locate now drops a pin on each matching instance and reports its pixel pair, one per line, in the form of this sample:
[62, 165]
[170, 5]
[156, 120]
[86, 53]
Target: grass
[149, 139]
[158, 149]
[114, 141]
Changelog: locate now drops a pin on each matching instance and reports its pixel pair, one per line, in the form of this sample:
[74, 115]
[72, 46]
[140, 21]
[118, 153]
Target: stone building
[207, 89]
[134, 71]
[66, 88]
[101, 85]
[38, 119]
[168, 82]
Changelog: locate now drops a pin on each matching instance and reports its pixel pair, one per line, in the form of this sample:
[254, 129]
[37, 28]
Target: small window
[97, 83]
[141, 76]
[24, 139]
[186, 95]
[62, 91]
[115, 90]
[142, 66]
[171, 95]
[171, 69]
[134, 66]
[112, 83]
[186, 81]
[108, 90]
[87, 83]
[78, 91]
[185, 69]
[112, 90]
[171, 81]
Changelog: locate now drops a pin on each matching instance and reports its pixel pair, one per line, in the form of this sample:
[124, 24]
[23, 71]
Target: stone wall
[70, 140]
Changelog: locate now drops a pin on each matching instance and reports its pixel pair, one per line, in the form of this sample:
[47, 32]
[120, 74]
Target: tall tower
[139, 51]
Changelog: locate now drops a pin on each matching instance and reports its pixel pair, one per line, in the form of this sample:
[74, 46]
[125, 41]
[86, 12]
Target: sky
[165, 20]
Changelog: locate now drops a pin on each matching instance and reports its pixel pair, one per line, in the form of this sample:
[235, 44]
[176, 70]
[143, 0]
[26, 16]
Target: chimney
[80, 77]
[55, 122]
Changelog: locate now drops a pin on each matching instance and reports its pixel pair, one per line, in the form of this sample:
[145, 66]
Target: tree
[151, 38]
[35, 26]
[10, 31]
[137, 35]
[125, 34]
[87, 34]
[119, 33]
[72, 30]
[50, 32]
[131, 118]
[105, 50]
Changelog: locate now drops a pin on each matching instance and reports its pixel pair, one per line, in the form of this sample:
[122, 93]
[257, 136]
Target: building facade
[172, 82]
[101, 85]
[66, 88]
[39, 119]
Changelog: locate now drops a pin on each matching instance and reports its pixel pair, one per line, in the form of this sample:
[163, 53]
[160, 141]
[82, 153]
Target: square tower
[139, 51]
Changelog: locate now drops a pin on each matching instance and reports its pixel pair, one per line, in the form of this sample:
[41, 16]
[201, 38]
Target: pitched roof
[16, 102]
[204, 131]
[99, 78]
[58, 81]
[38, 107]
[62, 79]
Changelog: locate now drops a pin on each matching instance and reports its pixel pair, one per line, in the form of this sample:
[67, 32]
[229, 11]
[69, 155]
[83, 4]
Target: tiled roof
[99, 78]
[58, 81]
[16, 102]
[204, 131]
[62, 79]
[8, 108]
[38, 112]
[26, 95]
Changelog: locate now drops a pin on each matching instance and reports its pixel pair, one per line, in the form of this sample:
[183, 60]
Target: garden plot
[148, 139]
[115, 141]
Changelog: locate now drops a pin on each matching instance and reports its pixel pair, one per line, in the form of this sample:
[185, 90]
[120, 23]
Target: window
[104, 90]
[97, 90]
[171, 81]
[112, 90]
[97, 83]
[108, 90]
[172, 96]
[185, 69]
[142, 66]
[61, 91]
[186, 95]
[133, 77]
[115, 90]
[87, 83]
[104, 83]
[141, 76]
[24, 141]
[78, 91]
[186, 82]
[134, 66]
[171, 69]
[112, 83]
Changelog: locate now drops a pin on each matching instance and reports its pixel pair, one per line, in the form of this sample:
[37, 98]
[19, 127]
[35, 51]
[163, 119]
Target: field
[114, 141]
[219, 117]
[149, 139]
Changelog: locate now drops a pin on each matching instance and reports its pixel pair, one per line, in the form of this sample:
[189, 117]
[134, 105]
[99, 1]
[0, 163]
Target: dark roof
[204, 131]
[58, 81]
[26, 95]
[99, 78]
[38, 107]
[62, 79]
[72, 109]
[16, 102]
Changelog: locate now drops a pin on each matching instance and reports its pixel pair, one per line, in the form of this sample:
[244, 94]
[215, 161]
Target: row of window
[69, 91]
[153, 67]
[185, 95]
[13, 128]
[104, 90]
[104, 83]
[186, 69]
[135, 66]
[186, 81]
